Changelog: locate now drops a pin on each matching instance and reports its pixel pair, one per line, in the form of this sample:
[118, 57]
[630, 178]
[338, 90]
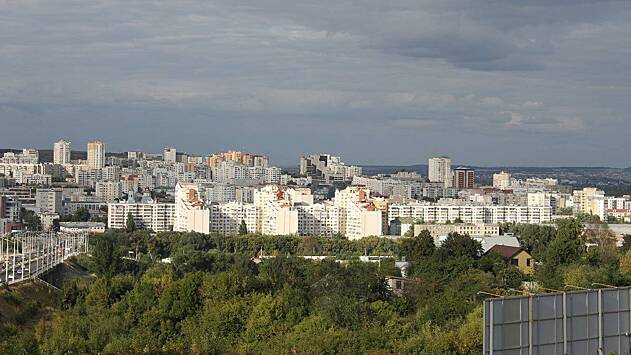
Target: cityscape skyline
[493, 84]
[295, 163]
[315, 177]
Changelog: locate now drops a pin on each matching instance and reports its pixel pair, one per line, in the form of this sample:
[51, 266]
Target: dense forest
[214, 296]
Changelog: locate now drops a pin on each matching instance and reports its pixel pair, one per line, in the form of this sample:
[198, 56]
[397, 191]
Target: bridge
[26, 255]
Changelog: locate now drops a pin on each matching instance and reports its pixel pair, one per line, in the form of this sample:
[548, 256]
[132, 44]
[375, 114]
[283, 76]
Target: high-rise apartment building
[149, 215]
[247, 159]
[49, 200]
[464, 178]
[61, 152]
[31, 155]
[191, 213]
[327, 168]
[96, 154]
[439, 170]
[358, 216]
[590, 201]
[135, 155]
[502, 180]
[108, 190]
[170, 155]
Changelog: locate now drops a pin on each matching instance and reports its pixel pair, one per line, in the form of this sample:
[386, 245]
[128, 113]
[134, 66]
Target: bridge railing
[26, 255]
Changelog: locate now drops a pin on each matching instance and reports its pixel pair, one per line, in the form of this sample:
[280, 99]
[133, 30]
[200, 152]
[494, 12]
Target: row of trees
[213, 298]
[570, 256]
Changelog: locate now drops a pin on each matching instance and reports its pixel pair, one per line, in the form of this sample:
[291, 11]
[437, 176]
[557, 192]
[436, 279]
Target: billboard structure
[583, 322]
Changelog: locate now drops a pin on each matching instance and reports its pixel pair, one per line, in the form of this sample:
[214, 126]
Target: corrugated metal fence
[576, 323]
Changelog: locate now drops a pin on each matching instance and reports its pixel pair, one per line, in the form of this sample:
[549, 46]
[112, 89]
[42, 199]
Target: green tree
[81, 215]
[626, 244]
[418, 247]
[130, 224]
[105, 256]
[565, 211]
[534, 238]
[243, 228]
[30, 220]
[568, 246]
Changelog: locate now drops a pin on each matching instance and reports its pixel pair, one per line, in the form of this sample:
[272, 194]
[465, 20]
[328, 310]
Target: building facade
[96, 154]
[439, 170]
[61, 152]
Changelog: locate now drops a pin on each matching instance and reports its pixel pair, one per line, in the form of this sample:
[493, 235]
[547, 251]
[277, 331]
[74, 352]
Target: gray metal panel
[590, 319]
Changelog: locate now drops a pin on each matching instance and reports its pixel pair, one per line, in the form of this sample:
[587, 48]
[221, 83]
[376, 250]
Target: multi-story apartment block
[543, 199]
[135, 155]
[129, 183]
[502, 180]
[359, 217]
[436, 230]
[247, 159]
[32, 179]
[170, 155]
[10, 208]
[191, 213]
[426, 212]
[439, 170]
[49, 200]
[464, 178]
[318, 219]
[108, 190]
[218, 192]
[327, 168]
[96, 154]
[95, 208]
[226, 217]
[28, 156]
[61, 152]
[88, 177]
[158, 217]
[111, 173]
[591, 201]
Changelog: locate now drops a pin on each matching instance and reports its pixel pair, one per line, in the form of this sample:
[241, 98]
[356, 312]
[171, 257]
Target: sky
[492, 83]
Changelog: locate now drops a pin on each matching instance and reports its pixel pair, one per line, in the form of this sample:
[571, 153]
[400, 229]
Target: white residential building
[226, 217]
[158, 217]
[318, 219]
[328, 168]
[439, 170]
[358, 216]
[88, 177]
[96, 154]
[28, 156]
[32, 179]
[502, 180]
[539, 199]
[591, 201]
[61, 152]
[108, 190]
[426, 212]
[170, 155]
[191, 214]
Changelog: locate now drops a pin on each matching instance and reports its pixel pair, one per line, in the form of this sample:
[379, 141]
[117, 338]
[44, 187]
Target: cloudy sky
[495, 82]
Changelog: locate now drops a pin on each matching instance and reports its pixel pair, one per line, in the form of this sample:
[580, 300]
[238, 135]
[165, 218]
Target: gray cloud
[285, 77]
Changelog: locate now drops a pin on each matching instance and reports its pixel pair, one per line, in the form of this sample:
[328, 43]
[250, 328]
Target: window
[514, 262]
[528, 262]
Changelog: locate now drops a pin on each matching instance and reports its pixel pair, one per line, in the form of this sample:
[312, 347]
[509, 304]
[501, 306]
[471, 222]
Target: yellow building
[517, 257]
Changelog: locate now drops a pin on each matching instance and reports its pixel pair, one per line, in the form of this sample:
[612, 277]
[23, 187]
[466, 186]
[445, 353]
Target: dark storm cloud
[488, 82]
